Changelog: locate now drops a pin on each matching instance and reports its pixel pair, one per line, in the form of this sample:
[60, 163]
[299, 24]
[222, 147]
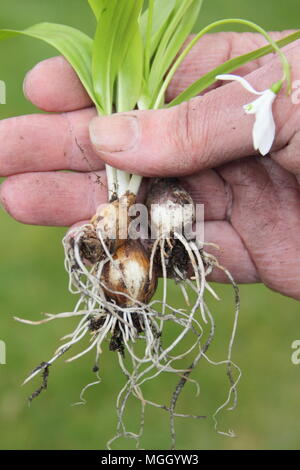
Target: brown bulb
[129, 274]
[171, 207]
[111, 221]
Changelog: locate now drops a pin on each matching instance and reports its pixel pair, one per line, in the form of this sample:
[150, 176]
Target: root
[44, 366]
[136, 329]
[82, 400]
[202, 264]
[185, 377]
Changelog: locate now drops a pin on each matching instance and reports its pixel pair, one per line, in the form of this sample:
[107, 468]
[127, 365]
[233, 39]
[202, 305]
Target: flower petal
[265, 102]
[263, 131]
[242, 81]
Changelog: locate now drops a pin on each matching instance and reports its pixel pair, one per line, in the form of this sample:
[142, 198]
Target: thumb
[203, 133]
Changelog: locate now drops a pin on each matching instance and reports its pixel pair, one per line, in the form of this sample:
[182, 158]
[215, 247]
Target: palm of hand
[252, 211]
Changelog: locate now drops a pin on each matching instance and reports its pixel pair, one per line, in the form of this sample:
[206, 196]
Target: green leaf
[74, 45]
[184, 18]
[115, 31]
[209, 78]
[96, 6]
[148, 38]
[161, 17]
[130, 76]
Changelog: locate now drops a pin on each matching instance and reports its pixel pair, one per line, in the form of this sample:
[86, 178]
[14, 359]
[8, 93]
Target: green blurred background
[32, 280]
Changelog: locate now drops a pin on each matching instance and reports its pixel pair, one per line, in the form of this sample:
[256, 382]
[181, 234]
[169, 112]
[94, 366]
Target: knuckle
[289, 156]
[188, 126]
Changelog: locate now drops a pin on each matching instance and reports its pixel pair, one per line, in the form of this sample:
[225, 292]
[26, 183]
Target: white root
[102, 318]
[82, 400]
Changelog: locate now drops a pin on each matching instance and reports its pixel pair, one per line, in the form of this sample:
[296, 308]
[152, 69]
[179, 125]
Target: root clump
[116, 279]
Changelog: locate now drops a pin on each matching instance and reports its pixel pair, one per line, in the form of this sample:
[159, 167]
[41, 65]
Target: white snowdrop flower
[263, 132]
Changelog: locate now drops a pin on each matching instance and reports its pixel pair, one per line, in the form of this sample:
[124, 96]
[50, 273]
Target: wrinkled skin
[252, 202]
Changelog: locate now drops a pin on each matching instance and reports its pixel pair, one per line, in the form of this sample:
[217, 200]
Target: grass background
[32, 280]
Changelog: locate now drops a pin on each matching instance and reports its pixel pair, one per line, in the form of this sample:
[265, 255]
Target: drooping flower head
[263, 132]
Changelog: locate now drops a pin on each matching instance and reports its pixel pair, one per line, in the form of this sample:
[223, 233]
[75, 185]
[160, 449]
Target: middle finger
[40, 142]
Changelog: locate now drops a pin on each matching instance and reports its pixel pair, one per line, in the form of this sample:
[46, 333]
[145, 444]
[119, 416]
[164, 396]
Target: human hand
[252, 204]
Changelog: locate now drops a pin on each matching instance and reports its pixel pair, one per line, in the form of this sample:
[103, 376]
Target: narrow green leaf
[96, 6]
[74, 45]
[115, 30]
[209, 78]
[161, 17]
[130, 76]
[176, 33]
[148, 38]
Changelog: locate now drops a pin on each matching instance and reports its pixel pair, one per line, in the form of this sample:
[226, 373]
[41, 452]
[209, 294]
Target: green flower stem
[276, 87]
[284, 61]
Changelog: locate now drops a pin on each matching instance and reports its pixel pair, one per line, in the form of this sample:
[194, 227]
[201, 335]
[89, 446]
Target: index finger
[53, 85]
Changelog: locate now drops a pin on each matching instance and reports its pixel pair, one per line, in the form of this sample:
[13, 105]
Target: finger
[61, 198]
[53, 198]
[206, 132]
[289, 156]
[201, 186]
[266, 214]
[53, 85]
[232, 254]
[47, 142]
[214, 49]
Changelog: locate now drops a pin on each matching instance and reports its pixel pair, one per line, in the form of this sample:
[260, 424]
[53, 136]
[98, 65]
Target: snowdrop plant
[128, 64]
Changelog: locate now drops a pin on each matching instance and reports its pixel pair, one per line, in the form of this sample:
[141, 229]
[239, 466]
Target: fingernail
[115, 133]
